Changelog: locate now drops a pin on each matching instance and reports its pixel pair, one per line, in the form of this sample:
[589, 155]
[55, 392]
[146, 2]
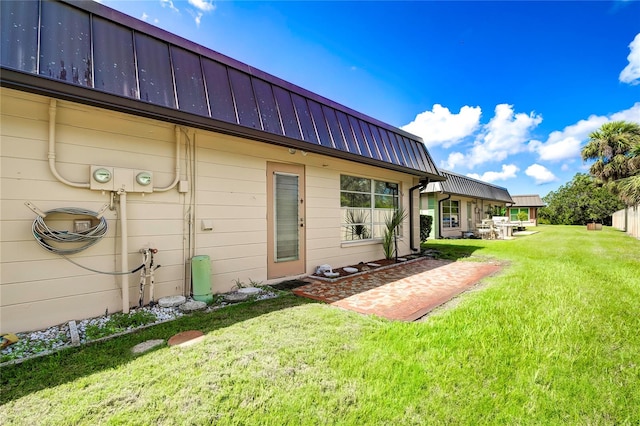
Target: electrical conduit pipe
[124, 251]
[124, 247]
[176, 179]
[52, 147]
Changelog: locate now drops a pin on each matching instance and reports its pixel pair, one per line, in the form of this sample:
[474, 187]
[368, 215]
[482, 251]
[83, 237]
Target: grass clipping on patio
[553, 339]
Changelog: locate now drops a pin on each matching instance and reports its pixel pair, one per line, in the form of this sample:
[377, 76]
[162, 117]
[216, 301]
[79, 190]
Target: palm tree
[615, 147]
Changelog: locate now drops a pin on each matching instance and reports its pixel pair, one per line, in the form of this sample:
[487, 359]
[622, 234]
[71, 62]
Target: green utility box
[201, 278]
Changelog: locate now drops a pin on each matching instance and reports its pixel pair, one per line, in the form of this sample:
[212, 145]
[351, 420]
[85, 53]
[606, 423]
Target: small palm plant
[389, 240]
[522, 217]
[357, 220]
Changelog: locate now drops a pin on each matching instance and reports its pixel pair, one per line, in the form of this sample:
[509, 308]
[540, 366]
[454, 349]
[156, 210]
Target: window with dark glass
[65, 44]
[19, 35]
[189, 81]
[154, 71]
[513, 213]
[244, 98]
[114, 61]
[267, 106]
[365, 205]
[450, 214]
[220, 99]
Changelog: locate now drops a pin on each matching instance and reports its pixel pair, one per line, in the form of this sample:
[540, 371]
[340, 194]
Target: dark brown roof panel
[469, 187]
[85, 44]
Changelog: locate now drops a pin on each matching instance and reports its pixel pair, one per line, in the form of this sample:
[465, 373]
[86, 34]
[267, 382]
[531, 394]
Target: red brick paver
[405, 292]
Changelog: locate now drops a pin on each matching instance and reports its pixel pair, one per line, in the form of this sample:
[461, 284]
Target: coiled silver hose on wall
[49, 238]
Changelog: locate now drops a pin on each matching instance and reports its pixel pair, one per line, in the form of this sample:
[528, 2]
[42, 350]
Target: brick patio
[405, 292]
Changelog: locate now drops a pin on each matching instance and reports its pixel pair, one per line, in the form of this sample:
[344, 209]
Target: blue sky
[506, 92]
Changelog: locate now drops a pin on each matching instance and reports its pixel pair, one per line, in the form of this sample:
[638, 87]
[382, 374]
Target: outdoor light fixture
[102, 175]
[143, 178]
[292, 151]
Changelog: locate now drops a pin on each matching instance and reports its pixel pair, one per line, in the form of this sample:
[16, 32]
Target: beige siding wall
[226, 177]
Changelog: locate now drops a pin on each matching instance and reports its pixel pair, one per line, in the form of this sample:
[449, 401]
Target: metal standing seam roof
[456, 184]
[86, 52]
[532, 200]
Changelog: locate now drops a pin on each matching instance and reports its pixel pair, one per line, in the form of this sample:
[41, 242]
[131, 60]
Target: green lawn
[553, 339]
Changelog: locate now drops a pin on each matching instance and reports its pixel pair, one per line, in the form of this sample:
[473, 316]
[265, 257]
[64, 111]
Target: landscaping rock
[235, 297]
[145, 346]
[171, 301]
[192, 305]
[250, 290]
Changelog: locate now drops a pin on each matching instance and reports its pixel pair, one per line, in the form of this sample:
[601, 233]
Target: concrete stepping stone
[250, 290]
[147, 345]
[235, 297]
[171, 301]
[192, 305]
[186, 338]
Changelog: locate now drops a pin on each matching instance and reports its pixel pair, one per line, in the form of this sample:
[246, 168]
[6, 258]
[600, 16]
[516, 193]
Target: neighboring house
[459, 203]
[189, 152]
[528, 204]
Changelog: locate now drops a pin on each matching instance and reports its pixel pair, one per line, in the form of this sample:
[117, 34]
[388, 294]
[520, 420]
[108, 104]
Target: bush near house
[426, 222]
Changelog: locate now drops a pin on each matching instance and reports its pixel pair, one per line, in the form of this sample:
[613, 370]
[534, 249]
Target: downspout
[176, 179]
[439, 218]
[52, 148]
[420, 186]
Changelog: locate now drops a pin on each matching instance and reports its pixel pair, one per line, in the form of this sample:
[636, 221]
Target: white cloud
[203, 5]
[508, 172]
[144, 16]
[440, 127]
[540, 174]
[631, 73]
[198, 18]
[453, 160]
[567, 143]
[504, 135]
[631, 114]
[169, 4]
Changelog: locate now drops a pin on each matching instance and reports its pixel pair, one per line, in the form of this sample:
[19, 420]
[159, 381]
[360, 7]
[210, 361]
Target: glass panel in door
[285, 220]
[287, 238]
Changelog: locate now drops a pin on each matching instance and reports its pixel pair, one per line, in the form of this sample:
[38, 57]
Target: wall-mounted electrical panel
[106, 178]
